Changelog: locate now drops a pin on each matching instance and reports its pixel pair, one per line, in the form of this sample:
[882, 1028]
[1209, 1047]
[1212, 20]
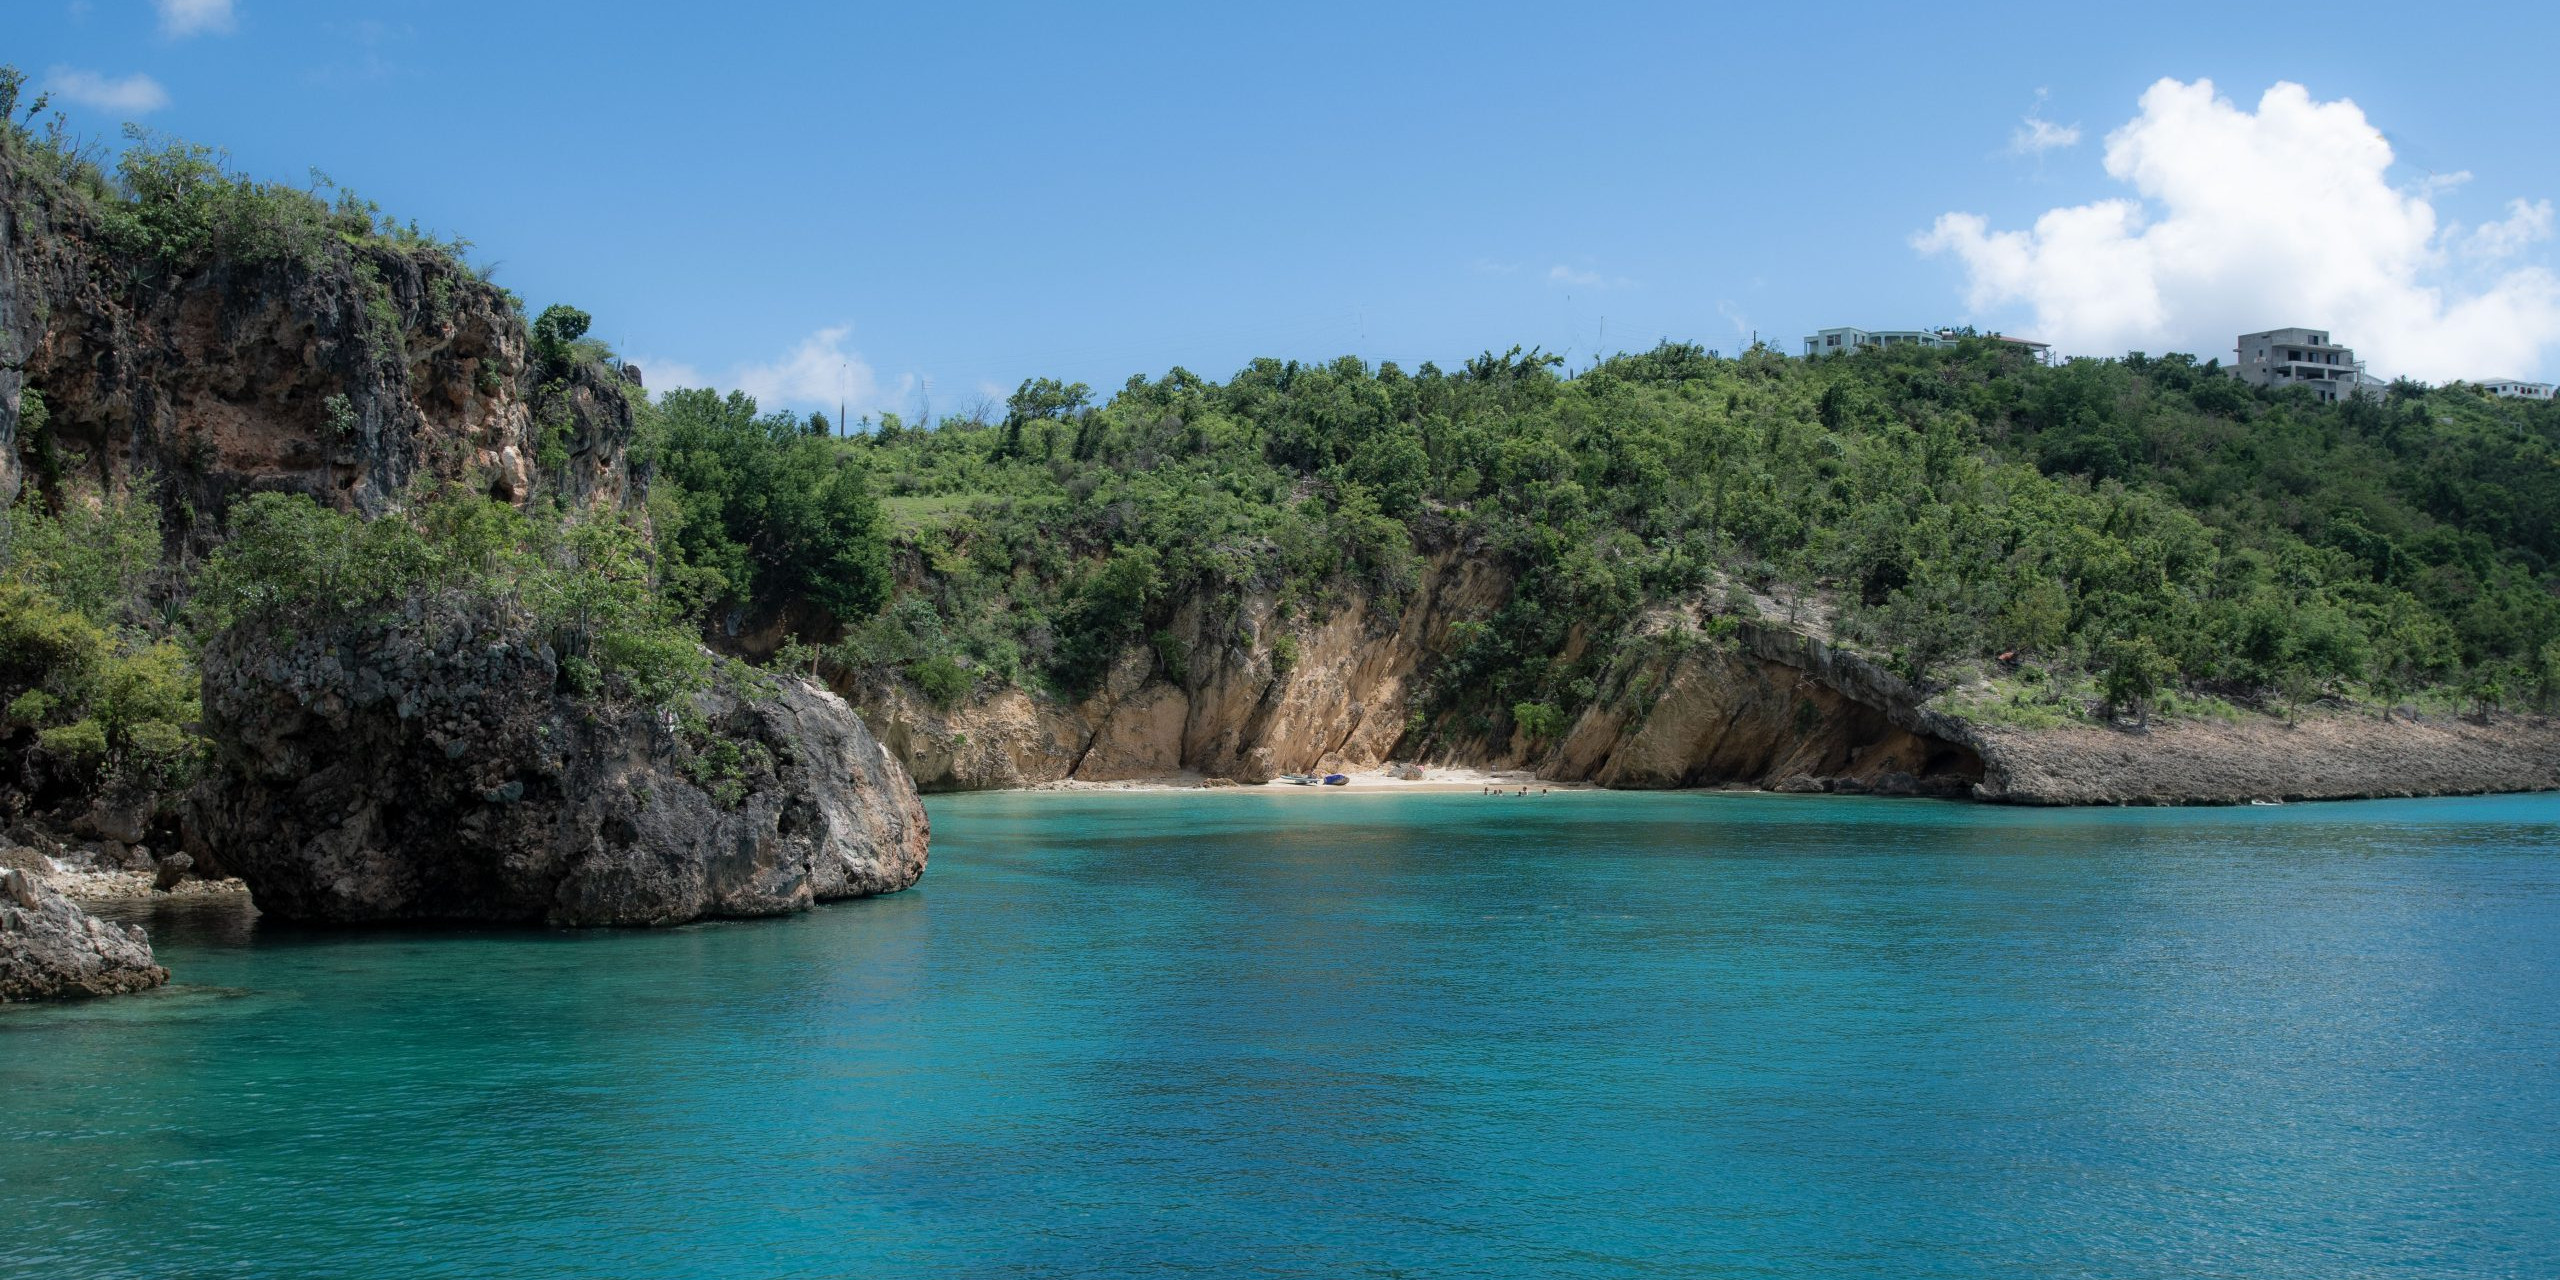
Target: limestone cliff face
[431, 768]
[345, 378]
[1765, 706]
[1236, 709]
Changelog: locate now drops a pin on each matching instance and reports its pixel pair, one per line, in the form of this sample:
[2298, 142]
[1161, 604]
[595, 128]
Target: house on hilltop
[2517, 389]
[1834, 341]
[2301, 358]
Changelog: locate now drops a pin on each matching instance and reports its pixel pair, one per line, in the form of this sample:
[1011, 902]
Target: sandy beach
[1362, 782]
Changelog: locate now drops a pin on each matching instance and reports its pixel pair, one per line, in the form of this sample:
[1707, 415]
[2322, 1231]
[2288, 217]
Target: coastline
[2175, 763]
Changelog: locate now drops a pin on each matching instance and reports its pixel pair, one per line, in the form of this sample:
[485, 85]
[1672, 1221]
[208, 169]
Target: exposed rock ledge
[429, 770]
[50, 949]
[2329, 757]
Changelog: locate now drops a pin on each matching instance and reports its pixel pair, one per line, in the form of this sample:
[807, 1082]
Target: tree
[1929, 622]
[556, 329]
[1039, 400]
[2136, 672]
[766, 512]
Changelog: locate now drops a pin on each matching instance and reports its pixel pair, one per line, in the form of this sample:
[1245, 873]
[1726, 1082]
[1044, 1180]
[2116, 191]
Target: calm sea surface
[1330, 1035]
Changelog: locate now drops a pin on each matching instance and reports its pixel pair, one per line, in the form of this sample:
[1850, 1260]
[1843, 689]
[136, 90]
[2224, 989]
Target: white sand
[1367, 782]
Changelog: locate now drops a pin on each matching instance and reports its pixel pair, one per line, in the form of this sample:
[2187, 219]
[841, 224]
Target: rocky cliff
[345, 373]
[1691, 700]
[1757, 705]
[432, 768]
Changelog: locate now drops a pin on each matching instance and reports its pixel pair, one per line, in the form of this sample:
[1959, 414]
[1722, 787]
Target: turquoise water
[1334, 1035]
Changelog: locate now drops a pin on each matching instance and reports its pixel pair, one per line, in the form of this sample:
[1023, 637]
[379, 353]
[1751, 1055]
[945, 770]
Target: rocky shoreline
[50, 949]
[2336, 756]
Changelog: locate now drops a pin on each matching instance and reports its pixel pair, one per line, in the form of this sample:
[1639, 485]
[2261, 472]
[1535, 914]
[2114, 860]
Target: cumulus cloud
[2242, 220]
[818, 372]
[131, 95]
[2036, 135]
[182, 18]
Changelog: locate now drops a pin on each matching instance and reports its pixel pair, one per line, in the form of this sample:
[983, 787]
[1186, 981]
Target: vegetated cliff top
[2118, 531]
[184, 325]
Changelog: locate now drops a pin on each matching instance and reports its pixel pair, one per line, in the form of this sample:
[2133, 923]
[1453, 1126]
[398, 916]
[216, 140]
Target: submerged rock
[50, 949]
[433, 770]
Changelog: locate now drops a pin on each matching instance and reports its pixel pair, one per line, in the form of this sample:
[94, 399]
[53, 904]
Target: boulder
[53, 950]
[437, 768]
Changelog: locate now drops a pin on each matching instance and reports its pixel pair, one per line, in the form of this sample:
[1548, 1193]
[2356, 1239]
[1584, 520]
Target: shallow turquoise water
[1334, 1035]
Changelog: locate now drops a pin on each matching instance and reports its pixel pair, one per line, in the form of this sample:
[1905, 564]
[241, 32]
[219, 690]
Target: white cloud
[1562, 274]
[667, 375]
[182, 18]
[818, 372]
[136, 94]
[2243, 220]
[2527, 222]
[2036, 135]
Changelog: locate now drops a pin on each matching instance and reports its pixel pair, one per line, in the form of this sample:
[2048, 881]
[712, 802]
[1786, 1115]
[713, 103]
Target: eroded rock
[433, 769]
[50, 949]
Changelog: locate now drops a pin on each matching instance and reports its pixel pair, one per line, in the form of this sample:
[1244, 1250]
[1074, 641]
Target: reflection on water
[186, 921]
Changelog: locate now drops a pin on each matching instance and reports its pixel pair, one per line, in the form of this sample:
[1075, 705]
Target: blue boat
[1336, 780]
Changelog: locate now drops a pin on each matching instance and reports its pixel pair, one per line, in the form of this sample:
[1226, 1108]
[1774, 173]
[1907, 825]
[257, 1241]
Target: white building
[1835, 341]
[2517, 389]
[2301, 358]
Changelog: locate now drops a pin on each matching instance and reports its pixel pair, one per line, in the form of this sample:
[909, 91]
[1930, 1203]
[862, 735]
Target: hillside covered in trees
[2103, 535]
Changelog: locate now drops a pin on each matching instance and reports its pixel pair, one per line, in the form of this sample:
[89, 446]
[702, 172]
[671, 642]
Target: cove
[1596, 1034]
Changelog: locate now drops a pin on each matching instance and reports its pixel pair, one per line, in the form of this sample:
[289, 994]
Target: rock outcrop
[1761, 706]
[1229, 706]
[346, 373]
[433, 769]
[2319, 757]
[50, 949]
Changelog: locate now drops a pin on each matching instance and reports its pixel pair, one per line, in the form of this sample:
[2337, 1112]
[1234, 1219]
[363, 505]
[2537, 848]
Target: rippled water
[1333, 1035]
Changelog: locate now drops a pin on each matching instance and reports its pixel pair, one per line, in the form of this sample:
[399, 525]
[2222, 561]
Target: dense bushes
[587, 578]
[88, 670]
[2140, 524]
[757, 511]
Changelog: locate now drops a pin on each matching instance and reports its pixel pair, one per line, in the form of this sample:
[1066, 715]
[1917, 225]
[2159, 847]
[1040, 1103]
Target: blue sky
[810, 198]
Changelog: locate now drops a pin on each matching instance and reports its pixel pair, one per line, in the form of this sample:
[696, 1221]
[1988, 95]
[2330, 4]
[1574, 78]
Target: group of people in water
[1493, 790]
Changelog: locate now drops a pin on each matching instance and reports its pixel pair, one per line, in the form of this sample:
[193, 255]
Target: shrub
[1540, 721]
[944, 682]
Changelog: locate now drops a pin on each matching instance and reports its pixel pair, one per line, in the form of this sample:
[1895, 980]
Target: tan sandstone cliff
[1760, 705]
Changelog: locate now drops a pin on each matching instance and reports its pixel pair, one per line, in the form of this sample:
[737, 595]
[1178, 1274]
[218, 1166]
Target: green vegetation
[97, 693]
[2147, 530]
[174, 206]
[587, 579]
[758, 512]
